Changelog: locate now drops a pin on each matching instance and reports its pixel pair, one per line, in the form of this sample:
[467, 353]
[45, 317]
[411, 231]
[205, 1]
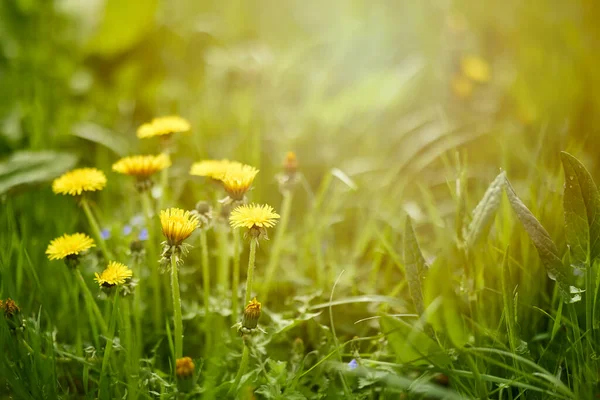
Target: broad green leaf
[411, 344]
[124, 24]
[103, 136]
[443, 304]
[582, 212]
[415, 266]
[485, 210]
[543, 243]
[30, 167]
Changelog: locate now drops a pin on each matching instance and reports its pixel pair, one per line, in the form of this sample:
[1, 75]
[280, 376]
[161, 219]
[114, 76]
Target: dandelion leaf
[582, 212]
[546, 248]
[485, 210]
[32, 167]
[414, 264]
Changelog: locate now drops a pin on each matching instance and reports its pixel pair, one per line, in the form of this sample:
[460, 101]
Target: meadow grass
[434, 242]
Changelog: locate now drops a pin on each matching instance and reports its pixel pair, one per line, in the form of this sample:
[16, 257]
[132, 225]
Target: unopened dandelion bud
[289, 177]
[136, 246]
[203, 211]
[185, 370]
[251, 315]
[12, 313]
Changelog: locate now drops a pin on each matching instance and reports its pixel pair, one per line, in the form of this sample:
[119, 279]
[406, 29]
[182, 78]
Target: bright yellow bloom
[69, 245]
[142, 166]
[475, 68]
[238, 179]
[184, 367]
[115, 274]
[163, 126]
[177, 225]
[253, 215]
[78, 181]
[462, 87]
[214, 169]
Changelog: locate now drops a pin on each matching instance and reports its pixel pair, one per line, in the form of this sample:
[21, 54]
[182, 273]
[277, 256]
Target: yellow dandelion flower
[163, 126]
[251, 314]
[238, 179]
[184, 367]
[475, 68]
[214, 169]
[142, 166]
[177, 225]
[290, 164]
[78, 181]
[253, 216]
[69, 245]
[462, 87]
[115, 274]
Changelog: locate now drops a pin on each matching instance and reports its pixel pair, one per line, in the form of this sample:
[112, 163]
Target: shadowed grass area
[433, 241]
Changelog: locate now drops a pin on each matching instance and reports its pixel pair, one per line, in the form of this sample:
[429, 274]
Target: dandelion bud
[289, 177]
[290, 164]
[184, 368]
[203, 211]
[251, 315]
[12, 313]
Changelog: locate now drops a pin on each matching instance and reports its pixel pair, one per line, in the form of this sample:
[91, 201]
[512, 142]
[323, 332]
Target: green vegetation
[440, 239]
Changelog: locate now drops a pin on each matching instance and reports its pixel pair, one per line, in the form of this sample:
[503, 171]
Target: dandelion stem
[176, 308]
[236, 275]
[130, 349]
[223, 260]
[109, 342]
[91, 304]
[137, 310]
[205, 272]
[95, 228]
[243, 367]
[286, 208]
[251, 259]
[152, 256]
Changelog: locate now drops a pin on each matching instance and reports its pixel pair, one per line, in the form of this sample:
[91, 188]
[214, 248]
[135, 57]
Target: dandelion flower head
[214, 169]
[253, 215]
[69, 245]
[475, 68]
[115, 274]
[142, 166]
[80, 180]
[177, 224]
[238, 179]
[163, 126]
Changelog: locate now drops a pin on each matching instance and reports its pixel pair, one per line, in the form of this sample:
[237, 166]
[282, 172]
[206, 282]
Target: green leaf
[443, 304]
[485, 210]
[415, 266]
[109, 139]
[582, 212]
[124, 24]
[546, 248]
[411, 344]
[31, 167]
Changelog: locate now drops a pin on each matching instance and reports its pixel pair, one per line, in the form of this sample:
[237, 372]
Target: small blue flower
[105, 233]
[138, 220]
[127, 230]
[143, 234]
[353, 364]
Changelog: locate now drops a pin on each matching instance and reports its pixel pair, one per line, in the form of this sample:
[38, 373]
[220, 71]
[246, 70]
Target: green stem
[91, 304]
[205, 272]
[176, 309]
[152, 257]
[223, 257]
[137, 311]
[286, 208]
[243, 368]
[78, 342]
[251, 259]
[109, 342]
[95, 228]
[130, 349]
[236, 275]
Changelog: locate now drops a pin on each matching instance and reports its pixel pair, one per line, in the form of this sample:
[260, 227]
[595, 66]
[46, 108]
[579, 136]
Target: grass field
[431, 165]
